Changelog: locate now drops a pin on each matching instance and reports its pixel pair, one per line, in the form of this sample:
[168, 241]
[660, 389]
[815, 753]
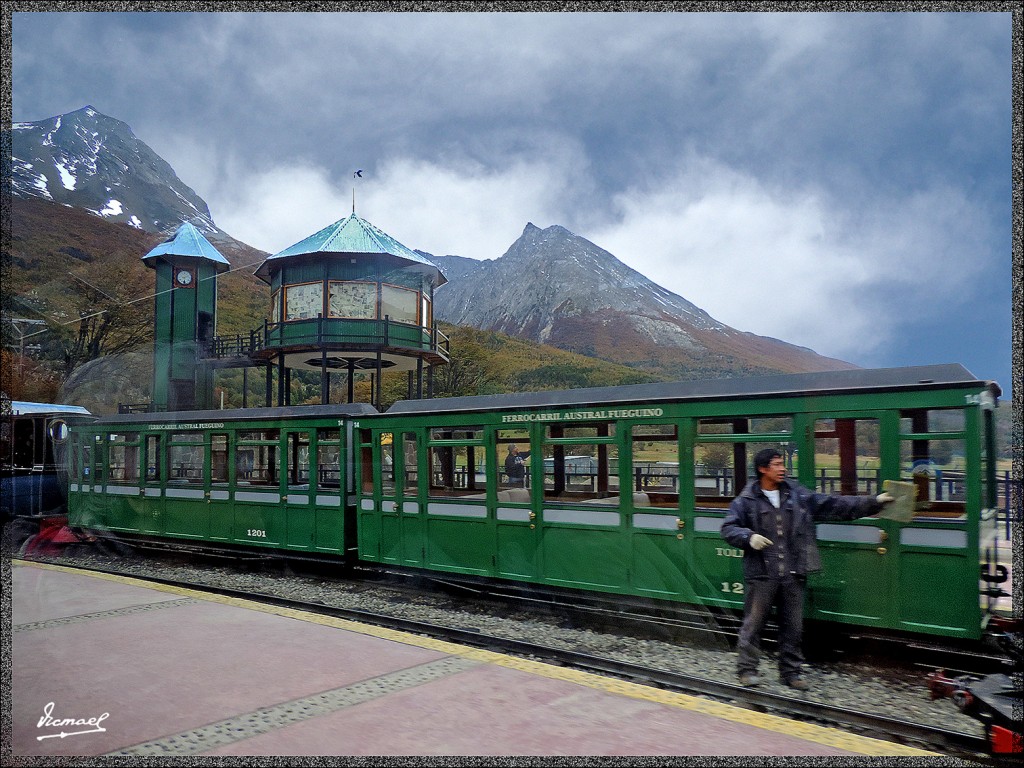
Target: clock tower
[186, 267]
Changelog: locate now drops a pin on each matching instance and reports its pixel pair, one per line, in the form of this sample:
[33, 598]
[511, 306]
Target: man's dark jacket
[751, 512]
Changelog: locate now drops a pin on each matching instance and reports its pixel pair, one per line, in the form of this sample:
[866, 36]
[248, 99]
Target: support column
[280, 381]
[325, 379]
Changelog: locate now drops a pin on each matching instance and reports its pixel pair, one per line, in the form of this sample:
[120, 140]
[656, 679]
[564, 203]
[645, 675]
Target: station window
[400, 304]
[275, 307]
[425, 316]
[123, 458]
[656, 462]
[256, 457]
[846, 456]
[328, 458]
[355, 300]
[186, 457]
[303, 301]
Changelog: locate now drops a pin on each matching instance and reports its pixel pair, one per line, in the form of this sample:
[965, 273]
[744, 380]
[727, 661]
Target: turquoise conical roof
[350, 235]
[186, 241]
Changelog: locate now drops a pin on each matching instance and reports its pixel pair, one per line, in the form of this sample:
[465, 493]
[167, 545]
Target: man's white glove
[885, 498]
[759, 542]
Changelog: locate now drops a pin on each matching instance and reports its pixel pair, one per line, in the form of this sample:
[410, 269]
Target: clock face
[183, 277]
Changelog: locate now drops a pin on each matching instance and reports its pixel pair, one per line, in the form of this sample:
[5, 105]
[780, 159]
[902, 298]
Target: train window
[581, 472]
[723, 468]
[656, 462]
[298, 460]
[387, 462]
[746, 426]
[86, 460]
[600, 429]
[328, 458]
[410, 463]
[256, 457]
[98, 460]
[938, 467]
[152, 458]
[922, 421]
[186, 458]
[219, 458]
[846, 456]
[123, 458]
[457, 470]
[457, 433]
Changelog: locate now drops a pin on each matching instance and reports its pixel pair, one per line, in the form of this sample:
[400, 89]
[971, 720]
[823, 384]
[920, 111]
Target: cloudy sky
[839, 181]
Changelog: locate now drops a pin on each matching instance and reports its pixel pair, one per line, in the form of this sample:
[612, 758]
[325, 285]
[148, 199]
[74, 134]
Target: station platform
[108, 665]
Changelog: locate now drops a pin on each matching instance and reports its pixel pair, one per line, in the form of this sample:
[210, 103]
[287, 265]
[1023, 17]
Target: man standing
[772, 521]
[514, 467]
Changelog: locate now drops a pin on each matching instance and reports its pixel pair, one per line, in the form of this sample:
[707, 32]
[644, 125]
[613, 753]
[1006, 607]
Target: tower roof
[350, 235]
[186, 241]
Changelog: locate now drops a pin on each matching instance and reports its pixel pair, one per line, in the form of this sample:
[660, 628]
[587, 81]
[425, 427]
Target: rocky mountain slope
[557, 288]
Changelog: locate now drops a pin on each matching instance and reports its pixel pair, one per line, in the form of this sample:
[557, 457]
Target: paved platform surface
[106, 665]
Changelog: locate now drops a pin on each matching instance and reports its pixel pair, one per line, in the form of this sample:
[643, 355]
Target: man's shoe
[749, 679]
[798, 682]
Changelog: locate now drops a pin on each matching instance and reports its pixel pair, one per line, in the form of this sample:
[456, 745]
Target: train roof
[243, 414]
[24, 408]
[781, 385]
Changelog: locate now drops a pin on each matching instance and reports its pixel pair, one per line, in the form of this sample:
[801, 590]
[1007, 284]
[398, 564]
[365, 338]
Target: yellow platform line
[807, 731]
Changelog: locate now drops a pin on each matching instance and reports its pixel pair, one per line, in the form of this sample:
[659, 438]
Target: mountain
[91, 161]
[551, 286]
[557, 288]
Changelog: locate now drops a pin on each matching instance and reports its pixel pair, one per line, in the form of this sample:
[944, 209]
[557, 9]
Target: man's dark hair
[764, 457]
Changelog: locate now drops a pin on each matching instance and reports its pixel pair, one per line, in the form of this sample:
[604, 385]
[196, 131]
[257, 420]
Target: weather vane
[356, 175]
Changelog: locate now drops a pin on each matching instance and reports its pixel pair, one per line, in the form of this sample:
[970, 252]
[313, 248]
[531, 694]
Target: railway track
[963, 745]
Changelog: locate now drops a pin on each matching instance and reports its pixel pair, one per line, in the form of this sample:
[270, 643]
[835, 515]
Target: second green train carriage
[624, 491]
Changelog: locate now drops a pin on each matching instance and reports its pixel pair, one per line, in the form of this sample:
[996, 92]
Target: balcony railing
[321, 331]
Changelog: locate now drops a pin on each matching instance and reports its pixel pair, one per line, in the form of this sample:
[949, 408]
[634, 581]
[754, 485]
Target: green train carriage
[433, 494]
[273, 478]
[625, 490]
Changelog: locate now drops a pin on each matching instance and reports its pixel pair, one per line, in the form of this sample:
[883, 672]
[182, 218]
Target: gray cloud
[864, 156]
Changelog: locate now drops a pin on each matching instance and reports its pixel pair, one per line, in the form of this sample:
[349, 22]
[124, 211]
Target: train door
[720, 465]
[391, 535]
[218, 496]
[329, 509]
[300, 519]
[411, 514]
[851, 454]
[516, 534]
[661, 563]
[155, 477]
[937, 553]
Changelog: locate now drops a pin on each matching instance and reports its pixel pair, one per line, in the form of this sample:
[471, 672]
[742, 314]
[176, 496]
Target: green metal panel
[459, 545]
[577, 556]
